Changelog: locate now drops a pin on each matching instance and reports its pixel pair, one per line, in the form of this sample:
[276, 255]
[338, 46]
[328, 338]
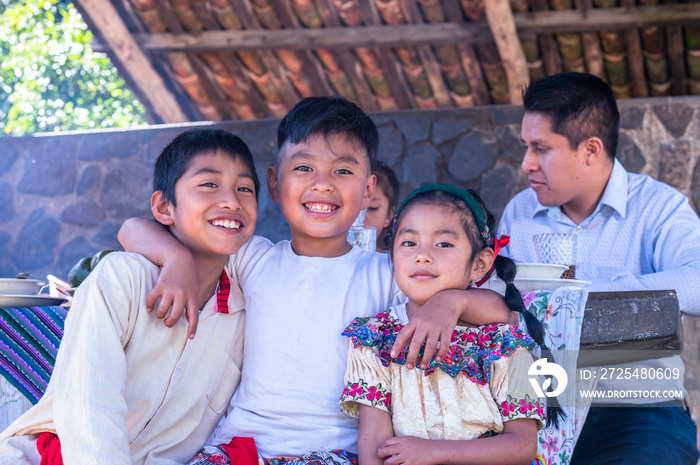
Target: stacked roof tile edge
[215, 81]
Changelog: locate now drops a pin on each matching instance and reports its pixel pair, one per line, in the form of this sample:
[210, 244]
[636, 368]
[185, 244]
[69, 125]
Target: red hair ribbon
[498, 244]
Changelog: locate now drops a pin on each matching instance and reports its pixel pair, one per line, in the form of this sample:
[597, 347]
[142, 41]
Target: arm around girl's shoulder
[436, 321]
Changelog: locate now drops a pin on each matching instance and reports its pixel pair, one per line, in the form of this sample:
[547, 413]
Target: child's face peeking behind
[216, 205]
[432, 252]
[321, 185]
[378, 214]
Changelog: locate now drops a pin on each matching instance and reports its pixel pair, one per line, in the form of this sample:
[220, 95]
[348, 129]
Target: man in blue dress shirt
[633, 233]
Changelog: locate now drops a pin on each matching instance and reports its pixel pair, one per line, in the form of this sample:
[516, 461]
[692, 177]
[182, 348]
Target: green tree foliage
[50, 78]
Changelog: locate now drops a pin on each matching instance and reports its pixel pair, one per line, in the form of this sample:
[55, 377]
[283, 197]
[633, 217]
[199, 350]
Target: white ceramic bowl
[14, 286]
[539, 284]
[539, 271]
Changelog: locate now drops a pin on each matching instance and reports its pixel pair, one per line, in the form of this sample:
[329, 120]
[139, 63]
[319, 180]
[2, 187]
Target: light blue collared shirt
[642, 235]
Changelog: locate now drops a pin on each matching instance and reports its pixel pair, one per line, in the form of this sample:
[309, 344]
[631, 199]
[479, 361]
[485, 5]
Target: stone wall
[64, 196]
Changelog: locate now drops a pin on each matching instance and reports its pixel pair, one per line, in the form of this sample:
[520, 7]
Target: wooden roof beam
[635, 59]
[399, 87]
[548, 46]
[676, 58]
[418, 34]
[500, 19]
[118, 38]
[555, 21]
[467, 55]
[348, 62]
[591, 44]
[431, 65]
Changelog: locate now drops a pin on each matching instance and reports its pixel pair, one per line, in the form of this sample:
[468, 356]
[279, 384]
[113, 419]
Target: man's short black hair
[176, 156]
[326, 116]
[578, 105]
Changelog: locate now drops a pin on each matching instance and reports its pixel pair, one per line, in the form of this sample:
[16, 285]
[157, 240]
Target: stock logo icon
[543, 367]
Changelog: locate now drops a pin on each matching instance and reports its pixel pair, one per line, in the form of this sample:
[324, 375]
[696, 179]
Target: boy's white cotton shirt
[126, 389]
[294, 356]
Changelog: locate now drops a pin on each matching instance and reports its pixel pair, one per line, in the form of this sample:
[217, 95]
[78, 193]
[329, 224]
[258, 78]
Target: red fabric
[222, 293]
[49, 447]
[498, 244]
[241, 451]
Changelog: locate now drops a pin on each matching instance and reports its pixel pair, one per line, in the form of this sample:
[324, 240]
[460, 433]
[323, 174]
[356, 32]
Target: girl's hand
[407, 450]
[176, 292]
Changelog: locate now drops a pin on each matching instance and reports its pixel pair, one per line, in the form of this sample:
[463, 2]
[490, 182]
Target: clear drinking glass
[557, 249]
[363, 236]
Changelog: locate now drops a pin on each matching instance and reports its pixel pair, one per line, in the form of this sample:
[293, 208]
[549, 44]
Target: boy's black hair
[327, 116]
[176, 156]
[578, 105]
[505, 267]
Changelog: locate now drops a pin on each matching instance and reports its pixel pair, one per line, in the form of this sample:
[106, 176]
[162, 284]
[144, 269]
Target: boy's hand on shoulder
[176, 292]
[433, 325]
[407, 450]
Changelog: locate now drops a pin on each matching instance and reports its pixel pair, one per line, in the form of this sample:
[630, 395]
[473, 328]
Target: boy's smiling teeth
[319, 207]
[228, 224]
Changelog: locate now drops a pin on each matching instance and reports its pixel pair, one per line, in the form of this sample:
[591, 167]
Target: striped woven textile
[29, 339]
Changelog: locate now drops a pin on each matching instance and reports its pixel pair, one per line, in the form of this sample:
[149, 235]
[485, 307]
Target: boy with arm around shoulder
[301, 293]
[126, 389]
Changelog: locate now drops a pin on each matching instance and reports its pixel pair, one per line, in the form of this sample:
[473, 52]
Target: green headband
[463, 194]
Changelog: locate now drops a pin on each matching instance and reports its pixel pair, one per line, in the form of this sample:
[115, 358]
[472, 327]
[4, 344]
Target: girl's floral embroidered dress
[480, 384]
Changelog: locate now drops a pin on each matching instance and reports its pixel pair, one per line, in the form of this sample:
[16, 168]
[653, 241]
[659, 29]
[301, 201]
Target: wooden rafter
[276, 72]
[123, 7]
[470, 63]
[397, 81]
[542, 22]
[500, 18]
[310, 65]
[591, 44]
[216, 95]
[348, 62]
[548, 46]
[235, 67]
[430, 64]
[635, 58]
[468, 57]
[255, 58]
[151, 86]
[676, 58]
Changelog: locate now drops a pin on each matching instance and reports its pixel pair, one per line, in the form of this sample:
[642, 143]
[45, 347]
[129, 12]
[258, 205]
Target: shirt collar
[614, 195]
[222, 293]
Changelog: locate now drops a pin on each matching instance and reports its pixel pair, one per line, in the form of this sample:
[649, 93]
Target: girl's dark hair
[387, 180]
[505, 267]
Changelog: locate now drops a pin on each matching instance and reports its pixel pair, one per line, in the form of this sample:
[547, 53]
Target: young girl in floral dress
[474, 406]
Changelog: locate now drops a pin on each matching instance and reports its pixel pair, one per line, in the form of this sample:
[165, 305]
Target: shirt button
[579, 229]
